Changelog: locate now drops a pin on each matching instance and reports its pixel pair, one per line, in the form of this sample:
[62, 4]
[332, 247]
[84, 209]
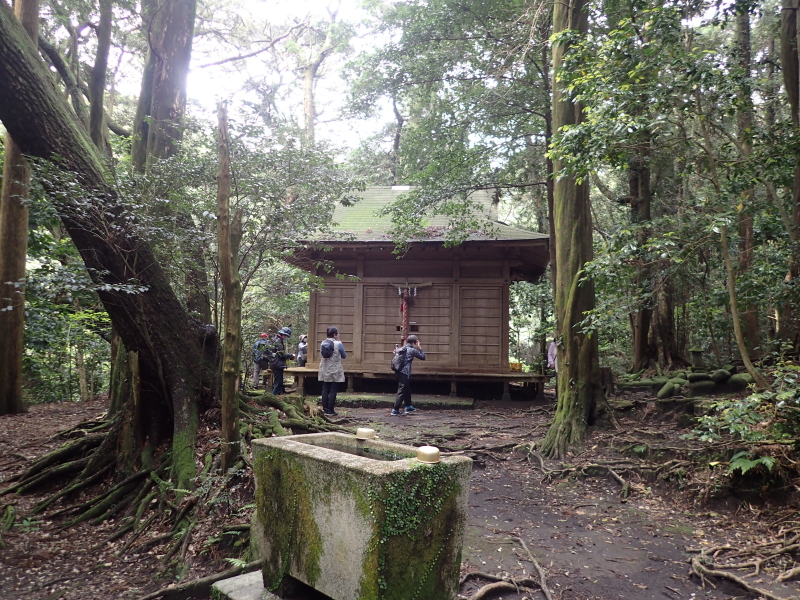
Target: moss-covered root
[65, 454]
[571, 421]
[295, 419]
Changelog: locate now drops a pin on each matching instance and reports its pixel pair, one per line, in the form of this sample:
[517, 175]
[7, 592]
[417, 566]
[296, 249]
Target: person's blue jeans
[277, 388]
[403, 391]
[329, 389]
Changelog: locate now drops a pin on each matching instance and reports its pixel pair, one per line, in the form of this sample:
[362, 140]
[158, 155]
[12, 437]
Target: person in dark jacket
[412, 349]
[260, 359]
[278, 357]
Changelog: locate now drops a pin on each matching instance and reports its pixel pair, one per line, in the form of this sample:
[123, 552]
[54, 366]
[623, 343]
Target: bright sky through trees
[207, 85]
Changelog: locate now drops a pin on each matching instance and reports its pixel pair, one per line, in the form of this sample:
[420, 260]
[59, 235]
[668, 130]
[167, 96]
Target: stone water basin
[359, 519]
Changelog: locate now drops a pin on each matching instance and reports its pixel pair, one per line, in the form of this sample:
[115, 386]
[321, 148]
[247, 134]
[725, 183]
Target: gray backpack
[326, 349]
[399, 359]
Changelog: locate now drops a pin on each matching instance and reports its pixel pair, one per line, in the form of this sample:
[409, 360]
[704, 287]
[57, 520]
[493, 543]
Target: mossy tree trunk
[579, 390]
[13, 249]
[229, 235]
[176, 354]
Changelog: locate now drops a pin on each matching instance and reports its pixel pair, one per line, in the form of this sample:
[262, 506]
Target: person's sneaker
[410, 409]
[332, 413]
[397, 413]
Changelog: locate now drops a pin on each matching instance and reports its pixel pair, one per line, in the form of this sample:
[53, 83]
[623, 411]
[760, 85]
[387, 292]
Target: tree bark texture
[641, 200]
[176, 354]
[97, 82]
[663, 323]
[14, 248]
[744, 127]
[737, 327]
[232, 299]
[579, 390]
[788, 330]
[70, 83]
[158, 126]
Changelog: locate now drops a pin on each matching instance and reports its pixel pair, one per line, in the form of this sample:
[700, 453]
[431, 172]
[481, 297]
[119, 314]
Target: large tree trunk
[761, 383]
[229, 235]
[579, 390]
[158, 127]
[14, 249]
[744, 129]
[641, 197]
[663, 324]
[97, 82]
[789, 329]
[176, 354]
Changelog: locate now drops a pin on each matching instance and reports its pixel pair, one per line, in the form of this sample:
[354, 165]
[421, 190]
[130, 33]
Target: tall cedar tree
[13, 249]
[579, 392]
[176, 353]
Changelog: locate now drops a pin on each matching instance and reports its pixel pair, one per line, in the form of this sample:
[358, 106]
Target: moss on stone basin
[359, 519]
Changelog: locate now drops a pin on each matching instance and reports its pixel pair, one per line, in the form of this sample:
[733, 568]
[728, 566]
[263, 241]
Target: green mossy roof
[364, 224]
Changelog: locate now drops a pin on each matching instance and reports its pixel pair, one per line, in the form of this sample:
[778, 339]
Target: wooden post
[350, 380]
[358, 320]
[313, 342]
[455, 326]
[453, 388]
[506, 391]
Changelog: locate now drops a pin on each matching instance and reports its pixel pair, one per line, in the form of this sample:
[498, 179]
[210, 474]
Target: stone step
[427, 401]
[249, 586]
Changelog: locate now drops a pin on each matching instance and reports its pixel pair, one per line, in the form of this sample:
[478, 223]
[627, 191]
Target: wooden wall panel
[430, 311]
[335, 305]
[481, 326]
[408, 269]
[380, 317]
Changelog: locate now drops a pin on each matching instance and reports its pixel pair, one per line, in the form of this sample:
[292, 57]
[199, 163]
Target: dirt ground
[593, 543]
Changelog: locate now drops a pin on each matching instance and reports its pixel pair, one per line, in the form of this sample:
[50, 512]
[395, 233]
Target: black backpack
[326, 349]
[399, 359]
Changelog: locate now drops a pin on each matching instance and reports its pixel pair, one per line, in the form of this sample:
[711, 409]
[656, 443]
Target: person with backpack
[260, 358]
[278, 357]
[331, 371]
[401, 365]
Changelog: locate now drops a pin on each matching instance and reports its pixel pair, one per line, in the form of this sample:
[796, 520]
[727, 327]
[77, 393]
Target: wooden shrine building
[456, 300]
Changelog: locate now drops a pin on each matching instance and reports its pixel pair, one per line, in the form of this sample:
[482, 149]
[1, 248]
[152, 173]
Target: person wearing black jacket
[412, 350]
[278, 357]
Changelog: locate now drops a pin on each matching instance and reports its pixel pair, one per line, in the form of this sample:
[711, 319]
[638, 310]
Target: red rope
[404, 312]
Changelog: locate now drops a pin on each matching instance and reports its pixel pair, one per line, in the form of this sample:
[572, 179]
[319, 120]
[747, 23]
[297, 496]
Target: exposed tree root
[702, 572]
[64, 454]
[6, 521]
[146, 501]
[584, 470]
[499, 584]
[507, 584]
[717, 561]
[542, 577]
[201, 587]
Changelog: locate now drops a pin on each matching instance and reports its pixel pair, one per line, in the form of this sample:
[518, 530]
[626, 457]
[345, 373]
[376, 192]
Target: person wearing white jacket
[331, 370]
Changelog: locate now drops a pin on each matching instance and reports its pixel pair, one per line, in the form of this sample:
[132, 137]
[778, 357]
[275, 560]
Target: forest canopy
[162, 159]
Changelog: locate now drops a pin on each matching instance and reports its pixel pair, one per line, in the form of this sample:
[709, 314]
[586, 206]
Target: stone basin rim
[296, 444]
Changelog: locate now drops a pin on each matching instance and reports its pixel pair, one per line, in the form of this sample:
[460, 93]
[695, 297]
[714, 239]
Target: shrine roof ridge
[362, 222]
